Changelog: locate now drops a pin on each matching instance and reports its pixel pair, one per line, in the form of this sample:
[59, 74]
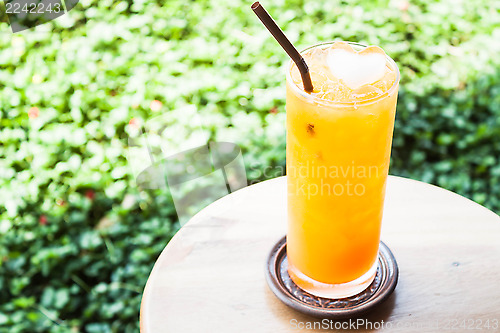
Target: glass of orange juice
[339, 141]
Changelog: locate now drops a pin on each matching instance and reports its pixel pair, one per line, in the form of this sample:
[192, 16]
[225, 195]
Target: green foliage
[78, 239]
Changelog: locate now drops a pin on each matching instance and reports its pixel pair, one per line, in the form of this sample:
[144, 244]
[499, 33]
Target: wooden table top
[210, 277]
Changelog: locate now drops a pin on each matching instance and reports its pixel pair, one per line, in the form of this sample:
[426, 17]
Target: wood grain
[210, 277]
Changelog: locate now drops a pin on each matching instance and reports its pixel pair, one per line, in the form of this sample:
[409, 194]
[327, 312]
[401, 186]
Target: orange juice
[339, 141]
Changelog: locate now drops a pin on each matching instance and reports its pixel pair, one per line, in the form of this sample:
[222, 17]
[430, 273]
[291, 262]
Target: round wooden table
[210, 277]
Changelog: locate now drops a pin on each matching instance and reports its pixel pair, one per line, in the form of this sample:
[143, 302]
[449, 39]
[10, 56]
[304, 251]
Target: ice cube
[366, 91]
[356, 69]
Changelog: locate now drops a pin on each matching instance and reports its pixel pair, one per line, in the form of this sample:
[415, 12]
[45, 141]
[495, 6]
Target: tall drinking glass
[338, 152]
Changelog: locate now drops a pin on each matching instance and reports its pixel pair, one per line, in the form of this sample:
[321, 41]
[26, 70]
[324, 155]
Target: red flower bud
[42, 220]
[134, 123]
[155, 105]
[90, 194]
[33, 112]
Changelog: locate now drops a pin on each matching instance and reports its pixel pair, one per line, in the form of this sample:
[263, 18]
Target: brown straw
[285, 44]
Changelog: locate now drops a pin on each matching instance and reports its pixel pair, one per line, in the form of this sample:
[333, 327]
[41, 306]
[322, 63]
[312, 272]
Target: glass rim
[319, 100]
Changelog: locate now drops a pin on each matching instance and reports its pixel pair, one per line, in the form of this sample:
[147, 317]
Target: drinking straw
[278, 34]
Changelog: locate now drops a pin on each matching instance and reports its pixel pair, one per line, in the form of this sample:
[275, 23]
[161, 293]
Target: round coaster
[289, 293]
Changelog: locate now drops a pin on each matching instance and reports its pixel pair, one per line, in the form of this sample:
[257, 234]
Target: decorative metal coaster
[289, 293]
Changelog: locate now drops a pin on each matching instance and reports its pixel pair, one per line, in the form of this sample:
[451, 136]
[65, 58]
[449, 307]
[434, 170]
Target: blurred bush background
[78, 239]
